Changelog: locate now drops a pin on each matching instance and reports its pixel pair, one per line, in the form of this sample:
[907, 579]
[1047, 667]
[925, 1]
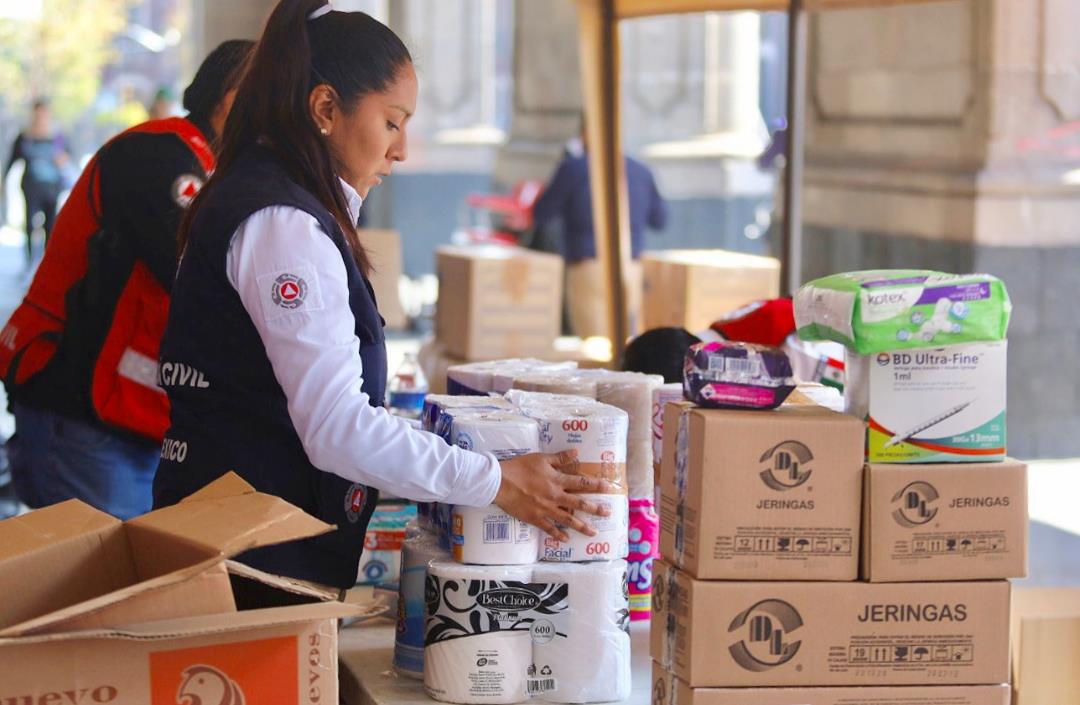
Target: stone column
[547, 100]
[945, 136]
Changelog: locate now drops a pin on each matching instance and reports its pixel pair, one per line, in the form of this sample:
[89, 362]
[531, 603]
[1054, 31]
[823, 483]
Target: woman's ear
[322, 102]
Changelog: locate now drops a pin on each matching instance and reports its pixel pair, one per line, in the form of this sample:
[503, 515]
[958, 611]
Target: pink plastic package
[644, 547]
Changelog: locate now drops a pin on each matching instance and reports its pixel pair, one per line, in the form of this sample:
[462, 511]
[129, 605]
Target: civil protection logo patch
[185, 188]
[355, 497]
[289, 291]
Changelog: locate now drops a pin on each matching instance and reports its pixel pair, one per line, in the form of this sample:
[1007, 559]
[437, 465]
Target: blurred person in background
[162, 106]
[78, 357]
[660, 351]
[44, 153]
[568, 199]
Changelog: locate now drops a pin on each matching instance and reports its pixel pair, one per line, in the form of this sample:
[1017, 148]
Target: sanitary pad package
[888, 310]
[737, 376]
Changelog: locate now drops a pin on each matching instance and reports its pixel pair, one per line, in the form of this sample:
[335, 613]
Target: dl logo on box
[786, 465]
[765, 628]
[242, 673]
[916, 504]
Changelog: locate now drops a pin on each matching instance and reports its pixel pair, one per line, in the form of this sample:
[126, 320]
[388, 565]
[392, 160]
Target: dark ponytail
[352, 52]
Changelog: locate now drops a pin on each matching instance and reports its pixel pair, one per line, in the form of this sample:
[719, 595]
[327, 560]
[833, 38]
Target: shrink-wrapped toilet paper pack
[581, 653]
[478, 643]
[490, 536]
[417, 551]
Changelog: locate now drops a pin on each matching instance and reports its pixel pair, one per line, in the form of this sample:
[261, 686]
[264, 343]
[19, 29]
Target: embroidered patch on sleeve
[293, 290]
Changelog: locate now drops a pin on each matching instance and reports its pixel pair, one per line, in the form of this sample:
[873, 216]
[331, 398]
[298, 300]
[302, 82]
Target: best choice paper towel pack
[477, 646]
[501, 634]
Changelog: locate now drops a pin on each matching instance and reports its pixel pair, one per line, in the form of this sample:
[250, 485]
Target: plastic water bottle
[408, 389]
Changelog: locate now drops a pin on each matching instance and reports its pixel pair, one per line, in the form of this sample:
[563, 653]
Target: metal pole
[791, 262]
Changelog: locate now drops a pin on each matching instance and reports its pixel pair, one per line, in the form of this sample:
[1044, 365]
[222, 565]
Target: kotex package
[886, 310]
[724, 375]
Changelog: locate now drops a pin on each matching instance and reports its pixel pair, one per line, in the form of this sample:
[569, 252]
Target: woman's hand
[536, 489]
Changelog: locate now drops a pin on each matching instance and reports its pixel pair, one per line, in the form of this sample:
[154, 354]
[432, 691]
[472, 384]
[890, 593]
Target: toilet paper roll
[470, 379]
[549, 383]
[435, 405]
[503, 380]
[505, 434]
[581, 652]
[662, 395]
[477, 645]
[416, 553]
[611, 540]
[490, 536]
[596, 431]
[633, 393]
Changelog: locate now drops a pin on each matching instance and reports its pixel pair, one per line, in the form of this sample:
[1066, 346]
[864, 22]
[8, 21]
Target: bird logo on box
[206, 685]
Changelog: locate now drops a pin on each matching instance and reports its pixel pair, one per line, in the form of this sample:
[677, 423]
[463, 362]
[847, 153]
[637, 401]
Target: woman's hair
[352, 52]
[660, 351]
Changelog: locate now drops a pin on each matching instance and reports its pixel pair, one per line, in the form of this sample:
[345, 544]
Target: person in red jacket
[78, 357]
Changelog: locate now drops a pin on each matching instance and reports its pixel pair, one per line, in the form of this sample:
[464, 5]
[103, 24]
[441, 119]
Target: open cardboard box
[94, 606]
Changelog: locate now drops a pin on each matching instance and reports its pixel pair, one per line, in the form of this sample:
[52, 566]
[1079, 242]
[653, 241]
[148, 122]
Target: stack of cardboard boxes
[765, 518]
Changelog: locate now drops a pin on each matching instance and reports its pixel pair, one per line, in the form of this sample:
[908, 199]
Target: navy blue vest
[228, 410]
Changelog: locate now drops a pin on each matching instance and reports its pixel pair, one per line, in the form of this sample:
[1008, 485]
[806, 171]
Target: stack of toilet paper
[557, 632]
[630, 391]
[501, 627]
[598, 433]
[488, 535]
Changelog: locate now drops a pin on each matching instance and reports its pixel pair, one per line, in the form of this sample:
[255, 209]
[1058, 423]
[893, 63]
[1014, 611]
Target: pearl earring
[324, 131]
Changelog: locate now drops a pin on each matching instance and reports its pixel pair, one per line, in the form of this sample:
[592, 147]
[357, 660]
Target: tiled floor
[1054, 484]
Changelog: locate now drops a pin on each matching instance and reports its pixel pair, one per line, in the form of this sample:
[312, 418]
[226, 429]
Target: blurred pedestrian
[44, 153]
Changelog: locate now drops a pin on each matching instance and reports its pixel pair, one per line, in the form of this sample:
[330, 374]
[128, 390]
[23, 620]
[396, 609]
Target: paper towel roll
[416, 553]
[633, 392]
[596, 431]
[478, 646]
[506, 434]
[610, 542]
[581, 652]
[490, 536]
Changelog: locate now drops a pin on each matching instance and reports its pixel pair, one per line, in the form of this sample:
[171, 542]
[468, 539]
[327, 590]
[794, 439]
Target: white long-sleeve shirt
[314, 352]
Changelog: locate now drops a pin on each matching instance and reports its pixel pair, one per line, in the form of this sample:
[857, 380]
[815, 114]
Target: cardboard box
[945, 522]
[942, 405]
[285, 656]
[773, 495]
[96, 610]
[693, 288]
[1046, 646]
[383, 248]
[734, 634]
[497, 302]
[669, 690]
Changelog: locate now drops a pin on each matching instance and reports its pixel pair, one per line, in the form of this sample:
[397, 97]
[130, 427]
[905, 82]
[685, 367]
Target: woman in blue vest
[274, 357]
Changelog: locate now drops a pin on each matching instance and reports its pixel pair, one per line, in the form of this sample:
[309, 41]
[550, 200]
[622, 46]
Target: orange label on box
[240, 673]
